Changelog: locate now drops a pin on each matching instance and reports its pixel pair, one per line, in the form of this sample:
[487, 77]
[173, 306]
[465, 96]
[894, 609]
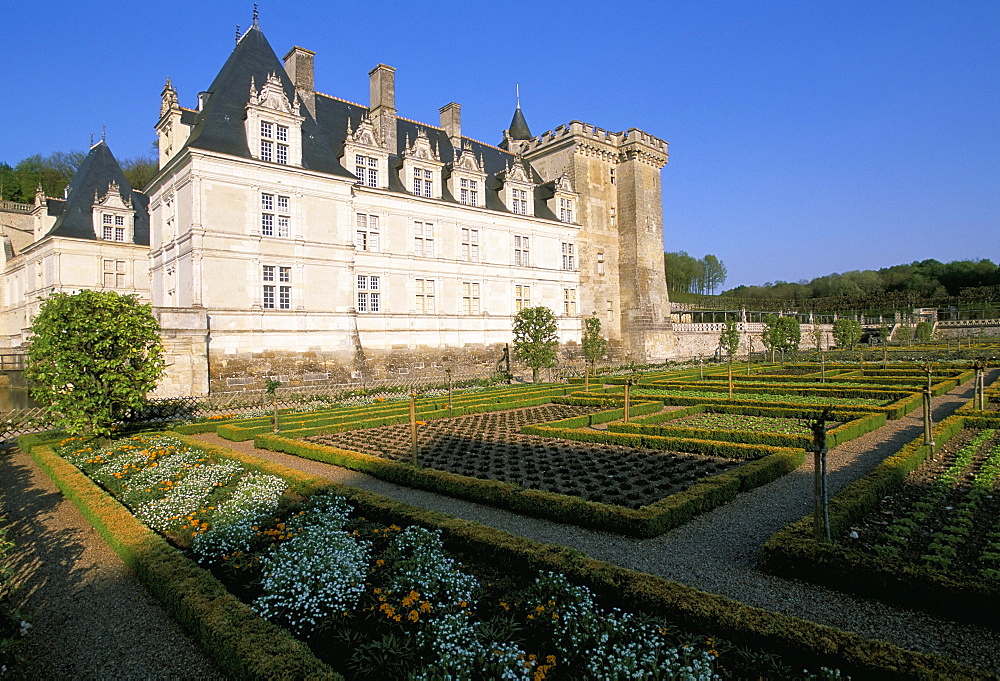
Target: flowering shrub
[318, 572]
[236, 519]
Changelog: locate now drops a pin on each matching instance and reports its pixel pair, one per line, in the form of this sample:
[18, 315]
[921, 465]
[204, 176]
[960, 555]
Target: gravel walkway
[91, 617]
[719, 551]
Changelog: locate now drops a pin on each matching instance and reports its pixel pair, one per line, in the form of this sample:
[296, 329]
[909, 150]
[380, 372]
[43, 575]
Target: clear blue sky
[805, 137]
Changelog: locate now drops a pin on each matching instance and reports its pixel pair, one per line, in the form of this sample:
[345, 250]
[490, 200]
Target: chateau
[291, 233]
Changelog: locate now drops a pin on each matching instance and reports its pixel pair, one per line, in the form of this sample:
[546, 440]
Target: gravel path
[91, 617]
[719, 551]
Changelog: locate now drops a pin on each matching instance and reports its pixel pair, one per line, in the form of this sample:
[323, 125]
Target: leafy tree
[536, 338]
[92, 359]
[925, 330]
[791, 333]
[905, 333]
[773, 335]
[846, 332]
[715, 273]
[595, 347]
[729, 339]
[140, 170]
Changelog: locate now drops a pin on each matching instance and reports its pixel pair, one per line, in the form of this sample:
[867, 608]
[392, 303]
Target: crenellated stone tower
[617, 177]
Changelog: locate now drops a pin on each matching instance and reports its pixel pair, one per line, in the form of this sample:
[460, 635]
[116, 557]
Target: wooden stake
[413, 429]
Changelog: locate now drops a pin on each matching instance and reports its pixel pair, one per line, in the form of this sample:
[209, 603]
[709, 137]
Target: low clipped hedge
[648, 521]
[793, 552]
[240, 642]
[845, 432]
[247, 646]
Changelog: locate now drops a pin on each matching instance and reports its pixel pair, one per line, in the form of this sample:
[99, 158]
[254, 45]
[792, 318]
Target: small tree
[92, 359]
[925, 330]
[595, 347]
[536, 338]
[846, 333]
[904, 333]
[791, 333]
[773, 335]
[729, 341]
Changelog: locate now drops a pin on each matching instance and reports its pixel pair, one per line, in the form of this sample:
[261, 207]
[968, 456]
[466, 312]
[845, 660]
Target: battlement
[564, 133]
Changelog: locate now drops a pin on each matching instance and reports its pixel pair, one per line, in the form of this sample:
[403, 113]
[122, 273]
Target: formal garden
[279, 572]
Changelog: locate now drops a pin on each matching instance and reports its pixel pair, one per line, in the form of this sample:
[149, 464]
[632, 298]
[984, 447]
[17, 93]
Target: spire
[519, 127]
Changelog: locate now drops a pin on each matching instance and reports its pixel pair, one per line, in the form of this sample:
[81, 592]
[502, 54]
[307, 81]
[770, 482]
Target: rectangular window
[368, 293]
[468, 192]
[568, 258]
[566, 210]
[521, 255]
[266, 129]
[569, 301]
[106, 219]
[611, 311]
[600, 263]
[470, 297]
[470, 245]
[425, 296]
[283, 275]
[519, 201]
[366, 168]
[114, 273]
[522, 297]
[282, 154]
[119, 220]
[120, 234]
[282, 133]
[366, 235]
[422, 184]
[266, 150]
[614, 218]
[423, 239]
[275, 213]
[108, 232]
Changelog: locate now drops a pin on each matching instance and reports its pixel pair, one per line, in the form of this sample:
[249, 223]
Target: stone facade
[323, 239]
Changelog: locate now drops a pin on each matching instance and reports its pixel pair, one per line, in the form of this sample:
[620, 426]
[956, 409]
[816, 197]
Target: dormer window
[423, 184]
[468, 192]
[519, 201]
[366, 168]
[273, 124]
[113, 217]
[566, 210]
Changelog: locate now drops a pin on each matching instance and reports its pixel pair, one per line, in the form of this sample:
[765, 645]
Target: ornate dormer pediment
[517, 173]
[468, 162]
[168, 99]
[367, 135]
[563, 183]
[421, 148]
[272, 96]
[113, 199]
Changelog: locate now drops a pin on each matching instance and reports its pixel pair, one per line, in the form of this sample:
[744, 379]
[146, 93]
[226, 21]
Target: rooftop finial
[256, 15]
[91, 139]
[517, 94]
[103, 133]
[237, 34]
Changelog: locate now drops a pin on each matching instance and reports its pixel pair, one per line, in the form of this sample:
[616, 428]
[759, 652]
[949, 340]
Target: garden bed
[491, 447]
[919, 532]
[515, 609]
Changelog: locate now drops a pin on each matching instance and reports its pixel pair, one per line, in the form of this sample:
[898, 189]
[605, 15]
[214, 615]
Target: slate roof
[98, 170]
[518, 126]
[220, 125]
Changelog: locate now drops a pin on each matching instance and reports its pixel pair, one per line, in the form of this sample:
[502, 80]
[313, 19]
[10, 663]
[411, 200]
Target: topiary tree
[925, 331]
[536, 338]
[595, 347]
[846, 332]
[92, 359]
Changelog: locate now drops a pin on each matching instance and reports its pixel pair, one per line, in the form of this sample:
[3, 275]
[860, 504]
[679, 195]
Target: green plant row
[790, 412]
[793, 552]
[240, 642]
[318, 424]
[648, 521]
[855, 392]
[835, 436]
[893, 410]
[229, 631]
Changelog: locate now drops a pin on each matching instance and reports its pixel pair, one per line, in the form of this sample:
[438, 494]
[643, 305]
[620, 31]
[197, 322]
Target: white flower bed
[234, 524]
[187, 496]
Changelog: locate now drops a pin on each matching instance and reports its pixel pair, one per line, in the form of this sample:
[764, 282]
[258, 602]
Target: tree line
[919, 280]
[687, 274]
[55, 171]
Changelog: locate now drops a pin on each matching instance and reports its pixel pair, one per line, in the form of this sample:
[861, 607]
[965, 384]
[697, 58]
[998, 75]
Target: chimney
[299, 67]
[383, 103]
[451, 121]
